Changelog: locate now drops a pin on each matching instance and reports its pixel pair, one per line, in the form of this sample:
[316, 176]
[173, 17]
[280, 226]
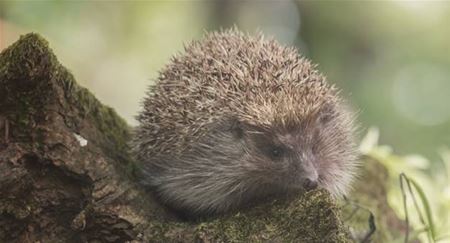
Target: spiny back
[228, 74]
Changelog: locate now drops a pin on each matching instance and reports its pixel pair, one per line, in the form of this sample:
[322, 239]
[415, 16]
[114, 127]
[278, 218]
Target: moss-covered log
[65, 173]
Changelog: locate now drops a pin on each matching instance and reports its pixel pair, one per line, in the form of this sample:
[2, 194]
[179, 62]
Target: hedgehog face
[287, 157]
[316, 152]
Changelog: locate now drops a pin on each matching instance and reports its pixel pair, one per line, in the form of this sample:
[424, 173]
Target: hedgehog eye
[276, 152]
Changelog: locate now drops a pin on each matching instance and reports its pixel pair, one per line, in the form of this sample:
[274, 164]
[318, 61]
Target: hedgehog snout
[309, 184]
[310, 175]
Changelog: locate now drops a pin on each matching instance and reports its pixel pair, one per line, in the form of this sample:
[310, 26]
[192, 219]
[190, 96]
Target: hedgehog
[237, 118]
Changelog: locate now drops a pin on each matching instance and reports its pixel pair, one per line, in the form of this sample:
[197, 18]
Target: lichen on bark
[56, 189]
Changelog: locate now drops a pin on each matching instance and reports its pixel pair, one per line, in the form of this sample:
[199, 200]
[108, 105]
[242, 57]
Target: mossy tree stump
[65, 172]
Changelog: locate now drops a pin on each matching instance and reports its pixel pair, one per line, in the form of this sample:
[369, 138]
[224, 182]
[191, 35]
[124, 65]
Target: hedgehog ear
[326, 114]
[236, 128]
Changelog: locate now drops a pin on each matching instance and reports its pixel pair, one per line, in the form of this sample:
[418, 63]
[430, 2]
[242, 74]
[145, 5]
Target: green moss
[27, 60]
[32, 80]
[22, 67]
[313, 217]
[113, 130]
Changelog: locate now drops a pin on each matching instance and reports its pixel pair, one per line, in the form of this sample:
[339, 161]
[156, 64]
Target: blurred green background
[391, 58]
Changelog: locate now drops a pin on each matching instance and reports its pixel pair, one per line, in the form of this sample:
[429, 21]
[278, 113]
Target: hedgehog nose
[309, 184]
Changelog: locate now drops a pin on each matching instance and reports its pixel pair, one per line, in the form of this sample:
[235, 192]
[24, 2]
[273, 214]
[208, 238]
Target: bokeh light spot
[421, 94]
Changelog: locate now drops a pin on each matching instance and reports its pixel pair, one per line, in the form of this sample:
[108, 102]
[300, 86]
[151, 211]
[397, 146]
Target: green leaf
[426, 206]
